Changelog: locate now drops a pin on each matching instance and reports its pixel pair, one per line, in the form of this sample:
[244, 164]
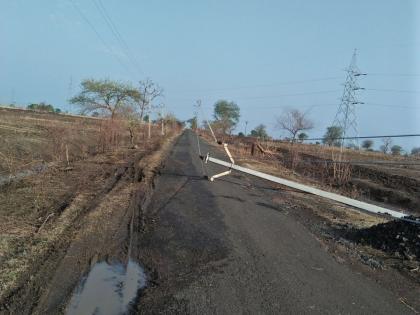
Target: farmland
[57, 170]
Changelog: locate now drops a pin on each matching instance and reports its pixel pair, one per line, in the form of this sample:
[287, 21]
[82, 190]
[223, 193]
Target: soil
[85, 217]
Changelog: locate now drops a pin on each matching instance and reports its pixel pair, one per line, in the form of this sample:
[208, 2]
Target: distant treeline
[43, 107]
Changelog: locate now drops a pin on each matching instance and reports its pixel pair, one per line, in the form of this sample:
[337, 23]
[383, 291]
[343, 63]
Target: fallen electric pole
[345, 200]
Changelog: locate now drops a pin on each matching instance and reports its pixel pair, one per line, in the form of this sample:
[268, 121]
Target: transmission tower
[346, 117]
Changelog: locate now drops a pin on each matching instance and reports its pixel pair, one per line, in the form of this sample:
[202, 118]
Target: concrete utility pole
[149, 125]
[346, 117]
[198, 105]
[161, 111]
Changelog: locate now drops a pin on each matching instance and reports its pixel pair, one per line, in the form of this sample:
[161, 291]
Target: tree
[367, 144]
[226, 115]
[396, 150]
[386, 145]
[260, 132]
[294, 121]
[148, 92]
[193, 123]
[333, 136]
[241, 134]
[43, 107]
[108, 97]
[415, 151]
[302, 136]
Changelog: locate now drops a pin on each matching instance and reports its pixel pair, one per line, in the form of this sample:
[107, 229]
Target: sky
[267, 56]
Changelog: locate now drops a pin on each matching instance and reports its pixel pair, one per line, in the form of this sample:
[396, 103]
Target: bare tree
[293, 121]
[386, 145]
[149, 91]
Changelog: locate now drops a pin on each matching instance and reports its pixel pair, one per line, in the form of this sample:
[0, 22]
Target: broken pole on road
[318, 192]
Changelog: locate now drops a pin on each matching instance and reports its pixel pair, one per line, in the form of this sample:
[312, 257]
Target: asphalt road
[225, 248]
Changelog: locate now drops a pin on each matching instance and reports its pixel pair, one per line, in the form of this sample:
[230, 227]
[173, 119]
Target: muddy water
[107, 289]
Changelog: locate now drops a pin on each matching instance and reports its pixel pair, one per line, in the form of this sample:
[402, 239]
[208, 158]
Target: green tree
[396, 149]
[367, 144]
[260, 132]
[43, 107]
[226, 115]
[415, 151]
[106, 96]
[193, 123]
[333, 136]
[302, 136]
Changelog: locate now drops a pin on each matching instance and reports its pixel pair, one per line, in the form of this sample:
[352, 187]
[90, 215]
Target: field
[393, 181]
[55, 172]
[80, 194]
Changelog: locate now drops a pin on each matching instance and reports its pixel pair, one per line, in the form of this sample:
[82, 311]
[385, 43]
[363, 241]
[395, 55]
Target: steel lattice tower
[346, 116]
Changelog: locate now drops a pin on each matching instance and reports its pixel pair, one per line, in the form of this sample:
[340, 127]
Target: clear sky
[264, 55]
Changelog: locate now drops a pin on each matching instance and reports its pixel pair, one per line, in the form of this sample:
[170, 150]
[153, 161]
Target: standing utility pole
[346, 117]
[246, 125]
[149, 125]
[161, 108]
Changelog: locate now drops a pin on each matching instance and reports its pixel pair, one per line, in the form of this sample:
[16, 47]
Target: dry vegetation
[54, 169]
[396, 186]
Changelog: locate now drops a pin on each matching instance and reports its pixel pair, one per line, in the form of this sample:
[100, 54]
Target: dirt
[398, 238]
[84, 217]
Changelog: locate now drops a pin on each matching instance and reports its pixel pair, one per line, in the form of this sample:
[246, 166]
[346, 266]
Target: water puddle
[107, 289]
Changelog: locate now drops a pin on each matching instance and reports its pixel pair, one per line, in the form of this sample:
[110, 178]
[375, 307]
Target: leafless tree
[386, 145]
[149, 91]
[293, 121]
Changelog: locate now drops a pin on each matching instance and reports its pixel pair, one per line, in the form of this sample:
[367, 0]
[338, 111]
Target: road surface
[225, 248]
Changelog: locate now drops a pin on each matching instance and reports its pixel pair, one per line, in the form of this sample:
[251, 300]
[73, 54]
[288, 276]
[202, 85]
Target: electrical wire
[394, 74]
[392, 90]
[373, 162]
[114, 30]
[98, 35]
[364, 137]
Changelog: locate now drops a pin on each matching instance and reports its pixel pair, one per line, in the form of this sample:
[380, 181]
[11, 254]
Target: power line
[114, 30]
[392, 106]
[394, 74]
[392, 90]
[367, 137]
[98, 35]
[365, 162]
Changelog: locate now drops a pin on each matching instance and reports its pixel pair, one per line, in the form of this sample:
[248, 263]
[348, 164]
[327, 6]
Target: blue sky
[264, 55]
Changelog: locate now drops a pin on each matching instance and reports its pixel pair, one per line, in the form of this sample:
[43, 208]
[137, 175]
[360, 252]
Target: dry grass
[80, 157]
[28, 138]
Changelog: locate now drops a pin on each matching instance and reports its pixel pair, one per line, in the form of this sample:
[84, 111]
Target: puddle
[107, 289]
